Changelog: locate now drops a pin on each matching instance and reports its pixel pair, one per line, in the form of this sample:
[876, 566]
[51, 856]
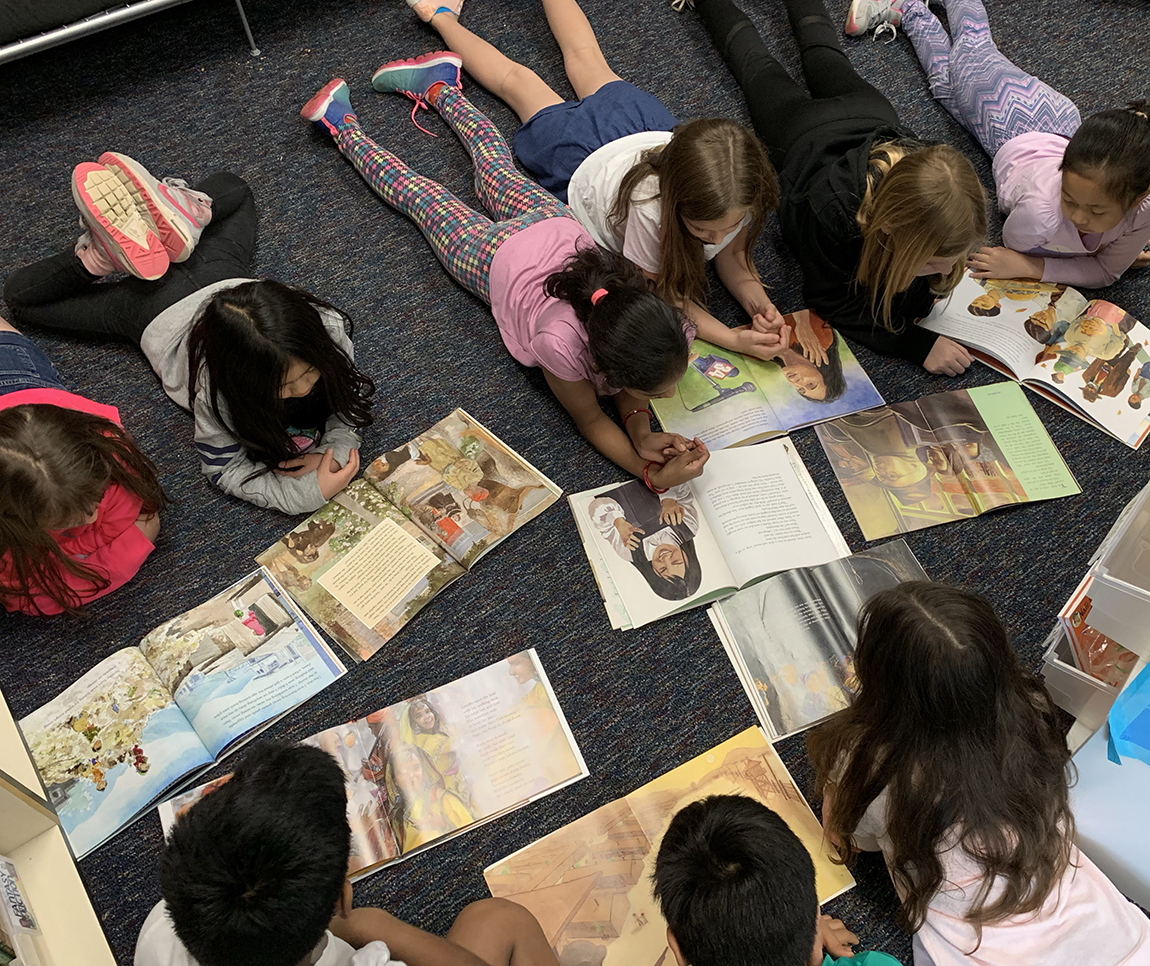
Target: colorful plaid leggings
[994, 99]
[464, 240]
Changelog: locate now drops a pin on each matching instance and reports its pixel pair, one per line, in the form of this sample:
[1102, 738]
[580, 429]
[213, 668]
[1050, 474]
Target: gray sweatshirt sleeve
[227, 465]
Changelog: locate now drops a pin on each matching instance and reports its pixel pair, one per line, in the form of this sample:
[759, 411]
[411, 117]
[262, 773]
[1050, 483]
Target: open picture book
[374, 555]
[792, 637]
[154, 716]
[426, 769]
[589, 884]
[727, 399]
[753, 512]
[944, 457]
[1087, 356]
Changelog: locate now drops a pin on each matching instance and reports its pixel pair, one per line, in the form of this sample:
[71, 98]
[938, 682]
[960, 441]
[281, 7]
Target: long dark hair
[55, 465]
[636, 339]
[710, 167]
[834, 381]
[966, 744]
[1114, 148]
[246, 339]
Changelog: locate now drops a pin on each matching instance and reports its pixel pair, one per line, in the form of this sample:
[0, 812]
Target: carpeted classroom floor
[180, 92]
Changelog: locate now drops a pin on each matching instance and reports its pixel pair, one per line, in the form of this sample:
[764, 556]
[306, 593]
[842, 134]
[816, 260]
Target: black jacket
[823, 180]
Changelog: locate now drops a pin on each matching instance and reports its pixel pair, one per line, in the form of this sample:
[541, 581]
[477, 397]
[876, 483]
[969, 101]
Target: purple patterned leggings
[986, 93]
[463, 239]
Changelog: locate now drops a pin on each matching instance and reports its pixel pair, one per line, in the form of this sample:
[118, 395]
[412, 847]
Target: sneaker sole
[423, 60]
[175, 229]
[110, 213]
[317, 106]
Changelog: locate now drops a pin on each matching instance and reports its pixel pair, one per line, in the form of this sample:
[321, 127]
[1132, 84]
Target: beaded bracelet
[634, 412]
[647, 478]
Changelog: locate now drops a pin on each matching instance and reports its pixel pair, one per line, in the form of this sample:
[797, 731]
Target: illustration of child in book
[989, 303]
[1139, 386]
[535, 705]
[656, 533]
[1099, 333]
[422, 807]
[422, 725]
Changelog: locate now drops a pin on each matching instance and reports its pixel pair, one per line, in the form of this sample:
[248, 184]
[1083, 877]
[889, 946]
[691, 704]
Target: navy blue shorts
[556, 140]
[23, 365]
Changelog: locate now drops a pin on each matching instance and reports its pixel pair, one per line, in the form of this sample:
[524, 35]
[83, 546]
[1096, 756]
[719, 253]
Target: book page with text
[765, 513]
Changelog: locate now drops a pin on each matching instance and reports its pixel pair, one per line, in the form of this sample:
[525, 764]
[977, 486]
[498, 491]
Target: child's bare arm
[407, 943]
[733, 266]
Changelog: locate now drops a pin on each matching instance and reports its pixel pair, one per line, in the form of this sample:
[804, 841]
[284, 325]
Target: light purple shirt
[539, 330]
[1029, 191]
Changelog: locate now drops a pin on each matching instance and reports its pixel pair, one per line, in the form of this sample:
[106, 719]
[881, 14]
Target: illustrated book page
[589, 883]
[150, 717]
[109, 745]
[791, 638]
[1089, 357]
[463, 486]
[240, 660]
[944, 457]
[754, 512]
[728, 399]
[430, 767]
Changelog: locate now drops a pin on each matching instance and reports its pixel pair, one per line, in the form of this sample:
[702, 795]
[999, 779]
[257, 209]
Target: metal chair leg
[247, 30]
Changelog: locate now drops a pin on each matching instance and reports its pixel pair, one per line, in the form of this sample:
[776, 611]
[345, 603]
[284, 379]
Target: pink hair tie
[597, 295]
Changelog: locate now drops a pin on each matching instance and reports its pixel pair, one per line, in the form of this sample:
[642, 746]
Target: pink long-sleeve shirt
[112, 545]
[1029, 193]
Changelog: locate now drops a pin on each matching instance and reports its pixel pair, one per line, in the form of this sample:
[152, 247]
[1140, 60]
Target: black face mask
[307, 412]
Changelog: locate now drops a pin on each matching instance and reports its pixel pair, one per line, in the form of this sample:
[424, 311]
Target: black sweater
[823, 180]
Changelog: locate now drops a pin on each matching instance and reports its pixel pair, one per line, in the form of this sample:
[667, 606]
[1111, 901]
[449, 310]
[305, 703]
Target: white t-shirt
[1085, 920]
[158, 945]
[595, 186]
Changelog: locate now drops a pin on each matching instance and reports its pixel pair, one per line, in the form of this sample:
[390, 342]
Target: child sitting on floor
[254, 874]
[737, 888]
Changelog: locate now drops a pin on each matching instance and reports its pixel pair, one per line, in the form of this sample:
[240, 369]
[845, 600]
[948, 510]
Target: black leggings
[59, 293]
[781, 111]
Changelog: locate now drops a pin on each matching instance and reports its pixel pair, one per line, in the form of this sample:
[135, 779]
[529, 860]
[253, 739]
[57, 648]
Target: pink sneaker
[175, 212]
[93, 256]
[110, 214]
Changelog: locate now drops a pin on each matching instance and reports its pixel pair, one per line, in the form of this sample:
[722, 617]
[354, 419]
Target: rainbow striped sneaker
[109, 211]
[416, 75]
[329, 107]
[175, 212]
[883, 16]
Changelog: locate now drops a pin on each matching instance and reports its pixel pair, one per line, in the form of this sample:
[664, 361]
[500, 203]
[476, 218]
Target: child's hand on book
[833, 939]
[672, 512]
[808, 341]
[947, 358]
[999, 262]
[658, 447]
[765, 343]
[681, 467]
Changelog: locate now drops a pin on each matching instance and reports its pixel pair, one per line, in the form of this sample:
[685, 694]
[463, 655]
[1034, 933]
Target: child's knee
[502, 915]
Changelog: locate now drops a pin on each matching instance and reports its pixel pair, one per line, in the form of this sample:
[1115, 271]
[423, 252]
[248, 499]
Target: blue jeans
[23, 365]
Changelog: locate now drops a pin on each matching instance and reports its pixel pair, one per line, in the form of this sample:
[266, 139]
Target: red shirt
[113, 545]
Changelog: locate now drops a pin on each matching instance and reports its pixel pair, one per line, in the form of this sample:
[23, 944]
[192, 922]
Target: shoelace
[419, 103]
[885, 33]
[680, 5]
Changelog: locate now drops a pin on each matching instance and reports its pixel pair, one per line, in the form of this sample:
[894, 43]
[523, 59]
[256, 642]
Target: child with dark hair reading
[254, 873]
[737, 888]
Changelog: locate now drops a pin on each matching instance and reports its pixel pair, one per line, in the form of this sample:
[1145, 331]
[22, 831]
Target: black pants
[59, 293]
[781, 111]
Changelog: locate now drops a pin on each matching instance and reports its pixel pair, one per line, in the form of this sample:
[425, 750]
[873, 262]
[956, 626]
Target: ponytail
[636, 339]
[1113, 148]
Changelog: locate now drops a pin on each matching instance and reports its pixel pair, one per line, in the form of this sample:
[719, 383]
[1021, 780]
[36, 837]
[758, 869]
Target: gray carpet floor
[180, 92]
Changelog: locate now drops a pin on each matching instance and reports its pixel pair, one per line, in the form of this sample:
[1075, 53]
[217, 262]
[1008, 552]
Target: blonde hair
[710, 167]
[920, 203]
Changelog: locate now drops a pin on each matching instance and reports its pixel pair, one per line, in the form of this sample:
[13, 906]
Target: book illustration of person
[1139, 386]
[989, 303]
[422, 807]
[849, 460]
[305, 544]
[655, 533]
[440, 511]
[783, 693]
[491, 495]
[823, 696]
[713, 368]
[1099, 333]
[252, 622]
[1107, 377]
[394, 459]
[811, 363]
[423, 725]
[457, 470]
